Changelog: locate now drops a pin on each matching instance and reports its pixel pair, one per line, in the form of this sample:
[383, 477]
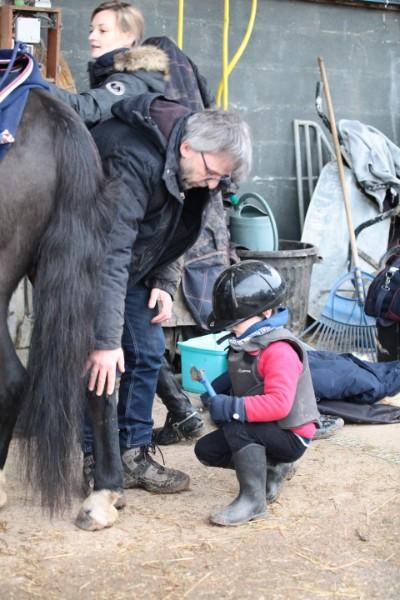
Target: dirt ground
[333, 534]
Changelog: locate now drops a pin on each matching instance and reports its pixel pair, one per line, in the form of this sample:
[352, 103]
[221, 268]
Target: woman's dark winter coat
[115, 76]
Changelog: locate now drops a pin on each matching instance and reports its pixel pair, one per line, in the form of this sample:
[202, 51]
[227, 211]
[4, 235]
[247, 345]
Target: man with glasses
[167, 163]
[222, 181]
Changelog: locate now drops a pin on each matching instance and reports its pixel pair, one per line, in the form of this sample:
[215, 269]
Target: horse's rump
[28, 180]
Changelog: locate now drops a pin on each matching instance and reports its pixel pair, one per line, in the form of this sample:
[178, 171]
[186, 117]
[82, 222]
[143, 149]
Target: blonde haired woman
[121, 67]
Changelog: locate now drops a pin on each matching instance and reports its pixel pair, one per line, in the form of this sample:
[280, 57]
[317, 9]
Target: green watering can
[252, 223]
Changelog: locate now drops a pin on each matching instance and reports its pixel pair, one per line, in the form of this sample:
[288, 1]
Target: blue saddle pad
[19, 73]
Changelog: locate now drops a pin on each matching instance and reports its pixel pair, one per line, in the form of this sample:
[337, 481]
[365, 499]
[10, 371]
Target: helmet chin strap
[278, 319]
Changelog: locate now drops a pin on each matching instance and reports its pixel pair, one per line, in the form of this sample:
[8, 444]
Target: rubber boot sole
[214, 520]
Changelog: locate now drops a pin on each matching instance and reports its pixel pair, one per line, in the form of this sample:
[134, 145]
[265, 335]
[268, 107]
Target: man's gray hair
[221, 132]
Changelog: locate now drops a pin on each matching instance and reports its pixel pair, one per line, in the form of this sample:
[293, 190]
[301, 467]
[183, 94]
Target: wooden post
[8, 14]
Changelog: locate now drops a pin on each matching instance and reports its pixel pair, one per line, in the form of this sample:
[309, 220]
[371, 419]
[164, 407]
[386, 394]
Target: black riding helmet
[244, 290]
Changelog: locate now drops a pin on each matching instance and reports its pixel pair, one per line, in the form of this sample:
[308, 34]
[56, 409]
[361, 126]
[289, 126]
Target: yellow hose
[179, 34]
[225, 54]
[223, 84]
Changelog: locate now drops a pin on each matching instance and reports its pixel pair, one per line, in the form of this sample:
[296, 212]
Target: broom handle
[339, 158]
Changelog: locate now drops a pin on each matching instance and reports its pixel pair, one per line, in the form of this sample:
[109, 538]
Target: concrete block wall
[274, 82]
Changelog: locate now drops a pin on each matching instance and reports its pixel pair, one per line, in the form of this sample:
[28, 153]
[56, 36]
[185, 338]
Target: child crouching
[266, 417]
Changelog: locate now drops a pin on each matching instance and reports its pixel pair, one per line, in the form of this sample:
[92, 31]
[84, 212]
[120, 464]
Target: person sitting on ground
[268, 420]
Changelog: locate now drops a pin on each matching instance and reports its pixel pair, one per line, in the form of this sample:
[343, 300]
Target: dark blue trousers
[143, 344]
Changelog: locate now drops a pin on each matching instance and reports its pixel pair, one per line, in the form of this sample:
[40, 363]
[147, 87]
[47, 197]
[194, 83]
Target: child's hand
[224, 409]
[205, 399]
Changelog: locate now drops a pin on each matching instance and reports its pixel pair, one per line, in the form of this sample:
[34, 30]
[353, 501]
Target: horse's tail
[65, 292]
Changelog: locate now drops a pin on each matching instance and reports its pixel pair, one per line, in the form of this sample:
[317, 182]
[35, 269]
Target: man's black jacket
[156, 222]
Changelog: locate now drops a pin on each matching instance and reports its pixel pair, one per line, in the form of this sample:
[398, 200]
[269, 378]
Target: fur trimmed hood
[148, 58]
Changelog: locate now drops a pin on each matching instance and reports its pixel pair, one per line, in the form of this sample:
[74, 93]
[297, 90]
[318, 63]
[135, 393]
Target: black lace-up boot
[183, 421]
[142, 471]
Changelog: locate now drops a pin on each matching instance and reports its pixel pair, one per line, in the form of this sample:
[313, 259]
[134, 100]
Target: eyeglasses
[224, 181]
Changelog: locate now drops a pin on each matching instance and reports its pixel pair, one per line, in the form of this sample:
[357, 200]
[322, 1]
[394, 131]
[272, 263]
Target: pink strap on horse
[21, 73]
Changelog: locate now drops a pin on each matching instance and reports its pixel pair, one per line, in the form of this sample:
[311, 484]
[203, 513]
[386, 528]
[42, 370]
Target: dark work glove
[224, 409]
[205, 398]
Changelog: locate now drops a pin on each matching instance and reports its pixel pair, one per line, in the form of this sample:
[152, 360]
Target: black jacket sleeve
[95, 105]
[134, 189]
[166, 278]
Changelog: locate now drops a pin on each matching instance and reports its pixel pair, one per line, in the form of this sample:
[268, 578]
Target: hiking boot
[142, 471]
[327, 426]
[88, 475]
[177, 428]
[182, 419]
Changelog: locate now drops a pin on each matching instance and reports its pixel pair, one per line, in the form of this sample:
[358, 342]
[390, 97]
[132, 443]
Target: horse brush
[200, 376]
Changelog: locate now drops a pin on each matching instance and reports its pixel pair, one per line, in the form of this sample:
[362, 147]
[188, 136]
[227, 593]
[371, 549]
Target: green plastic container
[204, 353]
[252, 224]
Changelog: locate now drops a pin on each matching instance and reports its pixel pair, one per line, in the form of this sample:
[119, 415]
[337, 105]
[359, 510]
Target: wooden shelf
[8, 14]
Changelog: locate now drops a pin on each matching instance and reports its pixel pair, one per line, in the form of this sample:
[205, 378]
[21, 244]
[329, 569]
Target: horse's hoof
[98, 511]
[3, 495]
[121, 500]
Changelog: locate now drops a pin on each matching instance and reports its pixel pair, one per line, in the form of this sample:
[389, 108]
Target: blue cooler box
[203, 353]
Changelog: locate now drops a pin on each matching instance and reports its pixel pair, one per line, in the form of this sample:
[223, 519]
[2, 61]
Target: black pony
[54, 216]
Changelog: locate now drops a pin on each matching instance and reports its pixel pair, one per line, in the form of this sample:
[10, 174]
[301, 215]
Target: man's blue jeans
[143, 344]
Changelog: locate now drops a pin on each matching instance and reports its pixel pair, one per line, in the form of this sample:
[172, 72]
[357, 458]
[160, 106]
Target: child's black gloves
[224, 409]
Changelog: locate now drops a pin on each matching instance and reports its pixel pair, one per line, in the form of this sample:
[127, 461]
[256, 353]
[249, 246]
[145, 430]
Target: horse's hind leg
[12, 380]
[99, 510]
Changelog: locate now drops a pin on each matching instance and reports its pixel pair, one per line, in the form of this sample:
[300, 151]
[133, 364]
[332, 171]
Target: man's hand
[164, 301]
[102, 365]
